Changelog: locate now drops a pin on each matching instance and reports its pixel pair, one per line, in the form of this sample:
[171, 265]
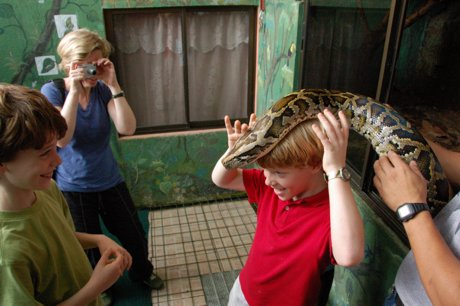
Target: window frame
[193, 125]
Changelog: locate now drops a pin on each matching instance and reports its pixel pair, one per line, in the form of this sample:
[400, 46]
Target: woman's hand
[106, 72]
[76, 76]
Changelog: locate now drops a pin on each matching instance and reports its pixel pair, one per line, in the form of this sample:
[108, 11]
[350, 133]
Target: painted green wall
[170, 170]
[165, 170]
[368, 283]
[278, 60]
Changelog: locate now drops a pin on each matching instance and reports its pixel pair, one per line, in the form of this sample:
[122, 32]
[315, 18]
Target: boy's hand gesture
[108, 270]
[105, 243]
[334, 139]
[236, 131]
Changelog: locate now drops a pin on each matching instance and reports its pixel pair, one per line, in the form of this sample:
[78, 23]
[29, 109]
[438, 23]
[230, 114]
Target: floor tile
[198, 246]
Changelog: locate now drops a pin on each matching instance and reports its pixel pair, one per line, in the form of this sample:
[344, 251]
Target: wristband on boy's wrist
[118, 95]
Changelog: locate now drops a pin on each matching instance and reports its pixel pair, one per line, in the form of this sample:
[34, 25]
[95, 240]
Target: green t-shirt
[41, 260]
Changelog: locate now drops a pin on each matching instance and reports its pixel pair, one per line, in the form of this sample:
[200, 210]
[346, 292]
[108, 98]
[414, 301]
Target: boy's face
[32, 169]
[291, 183]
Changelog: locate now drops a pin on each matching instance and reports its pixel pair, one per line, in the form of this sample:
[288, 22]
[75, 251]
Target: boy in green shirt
[42, 258]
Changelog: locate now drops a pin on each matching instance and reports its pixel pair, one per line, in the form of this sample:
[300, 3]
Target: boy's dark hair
[27, 120]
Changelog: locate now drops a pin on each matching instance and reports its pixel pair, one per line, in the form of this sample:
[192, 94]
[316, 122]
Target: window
[399, 52]
[343, 52]
[184, 68]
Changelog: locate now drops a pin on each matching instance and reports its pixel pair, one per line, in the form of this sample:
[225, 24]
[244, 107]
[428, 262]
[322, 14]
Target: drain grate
[217, 286]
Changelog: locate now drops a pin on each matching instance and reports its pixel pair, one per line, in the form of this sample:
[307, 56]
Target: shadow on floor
[124, 292]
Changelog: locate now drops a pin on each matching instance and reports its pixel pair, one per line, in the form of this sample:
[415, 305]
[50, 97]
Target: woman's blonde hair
[78, 44]
[299, 148]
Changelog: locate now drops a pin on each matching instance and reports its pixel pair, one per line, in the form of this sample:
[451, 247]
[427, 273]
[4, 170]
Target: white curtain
[150, 59]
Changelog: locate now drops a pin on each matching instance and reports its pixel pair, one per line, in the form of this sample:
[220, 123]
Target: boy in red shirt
[298, 233]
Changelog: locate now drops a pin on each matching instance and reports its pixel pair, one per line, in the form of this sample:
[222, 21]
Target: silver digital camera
[89, 69]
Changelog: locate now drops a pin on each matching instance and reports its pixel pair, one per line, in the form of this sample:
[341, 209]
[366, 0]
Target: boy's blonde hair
[27, 120]
[299, 148]
[78, 44]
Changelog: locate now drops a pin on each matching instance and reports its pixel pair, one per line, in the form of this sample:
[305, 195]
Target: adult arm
[347, 229]
[119, 110]
[69, 107]
[439, 269]
[231, 178]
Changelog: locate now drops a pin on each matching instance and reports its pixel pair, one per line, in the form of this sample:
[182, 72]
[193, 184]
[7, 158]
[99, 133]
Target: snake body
[379, 123]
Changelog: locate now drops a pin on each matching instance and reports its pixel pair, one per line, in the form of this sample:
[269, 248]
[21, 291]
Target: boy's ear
[318, 168]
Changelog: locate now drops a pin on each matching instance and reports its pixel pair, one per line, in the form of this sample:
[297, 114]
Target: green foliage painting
[28, 32]
[277, 61]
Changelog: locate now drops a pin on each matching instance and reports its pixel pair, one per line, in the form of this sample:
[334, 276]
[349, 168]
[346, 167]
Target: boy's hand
[105, 243]
[393, 175]
[334, 139]
[108, 270]
[235, 132]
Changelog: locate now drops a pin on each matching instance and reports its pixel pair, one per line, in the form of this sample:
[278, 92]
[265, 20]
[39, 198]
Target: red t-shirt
[291, 247]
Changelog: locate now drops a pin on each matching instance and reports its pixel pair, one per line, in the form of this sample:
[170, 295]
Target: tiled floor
[189, 243]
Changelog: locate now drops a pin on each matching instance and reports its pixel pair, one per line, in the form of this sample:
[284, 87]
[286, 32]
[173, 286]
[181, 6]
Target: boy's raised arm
[347, 230]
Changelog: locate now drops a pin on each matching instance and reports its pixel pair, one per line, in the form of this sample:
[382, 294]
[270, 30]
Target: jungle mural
[33, 29]
[279, 36]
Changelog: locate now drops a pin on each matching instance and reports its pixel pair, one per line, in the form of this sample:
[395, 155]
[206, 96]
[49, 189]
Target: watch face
[346, 175]
[409, 210]
[404, 212]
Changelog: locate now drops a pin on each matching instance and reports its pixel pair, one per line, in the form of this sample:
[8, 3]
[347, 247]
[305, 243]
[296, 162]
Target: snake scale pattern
[380, 124]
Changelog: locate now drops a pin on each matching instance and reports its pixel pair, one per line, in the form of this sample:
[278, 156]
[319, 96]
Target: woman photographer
[89, 176]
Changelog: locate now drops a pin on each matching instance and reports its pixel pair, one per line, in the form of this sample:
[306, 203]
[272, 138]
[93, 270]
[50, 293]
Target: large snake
[379, 123]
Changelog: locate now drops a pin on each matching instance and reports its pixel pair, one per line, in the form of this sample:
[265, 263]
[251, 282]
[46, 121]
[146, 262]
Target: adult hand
[236, 131]
[399, 183]
[76, 76]
[106, 72]
[334, 139]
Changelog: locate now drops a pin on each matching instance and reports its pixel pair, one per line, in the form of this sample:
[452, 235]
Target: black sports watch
[407, 211]
[342, 173]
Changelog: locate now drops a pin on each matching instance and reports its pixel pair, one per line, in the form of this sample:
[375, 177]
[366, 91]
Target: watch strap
[342, 173]
[408, 211]
[118, 95]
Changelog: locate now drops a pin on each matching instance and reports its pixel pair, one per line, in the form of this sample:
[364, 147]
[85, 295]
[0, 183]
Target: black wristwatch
[407, 211]
[342, 173]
